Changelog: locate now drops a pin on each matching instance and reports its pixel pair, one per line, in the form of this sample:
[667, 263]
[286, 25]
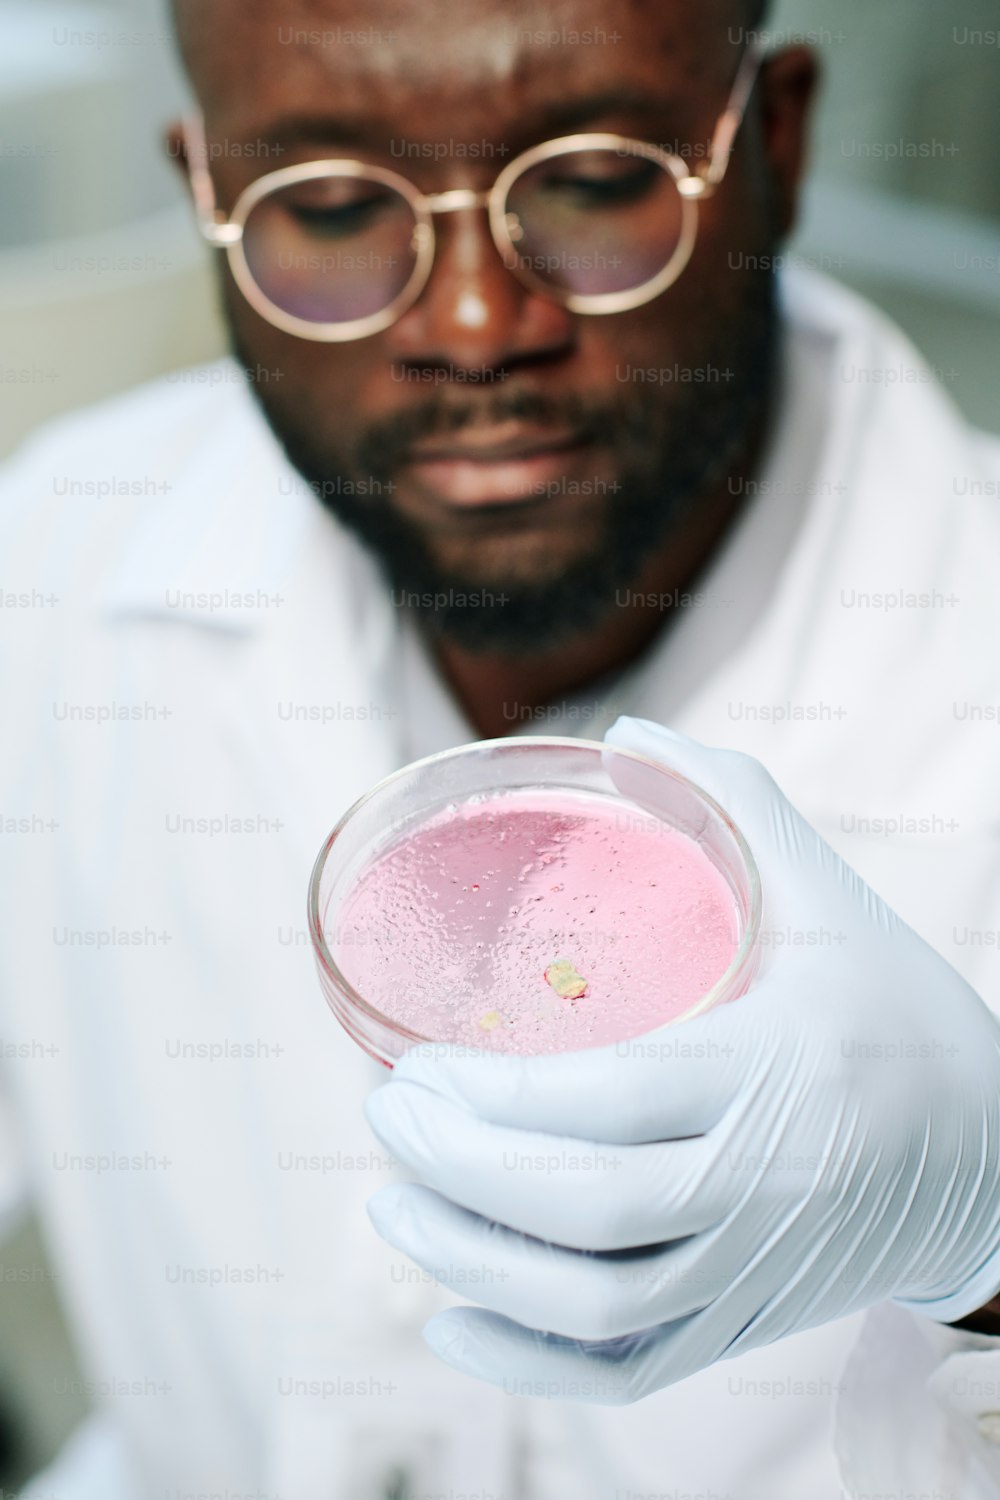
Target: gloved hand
[633, 1213]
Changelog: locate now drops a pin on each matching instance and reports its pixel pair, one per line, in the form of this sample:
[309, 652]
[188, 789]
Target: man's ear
[176, 148]
[789, 84]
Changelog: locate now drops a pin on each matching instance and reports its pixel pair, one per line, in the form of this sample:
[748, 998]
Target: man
[497, 503]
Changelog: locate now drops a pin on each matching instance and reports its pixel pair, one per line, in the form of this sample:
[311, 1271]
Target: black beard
[671, 457]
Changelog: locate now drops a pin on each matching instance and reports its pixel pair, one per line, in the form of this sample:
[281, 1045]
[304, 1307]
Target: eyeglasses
[338, 250]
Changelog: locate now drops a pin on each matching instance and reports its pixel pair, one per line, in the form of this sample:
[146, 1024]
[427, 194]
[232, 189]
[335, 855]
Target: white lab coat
[243, 1328]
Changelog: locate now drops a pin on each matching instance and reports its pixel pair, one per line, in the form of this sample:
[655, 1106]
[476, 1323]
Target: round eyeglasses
[337, 250]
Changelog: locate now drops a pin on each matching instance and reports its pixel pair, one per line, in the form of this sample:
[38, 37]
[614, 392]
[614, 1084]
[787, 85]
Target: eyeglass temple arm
[212, 224]
[703, 185]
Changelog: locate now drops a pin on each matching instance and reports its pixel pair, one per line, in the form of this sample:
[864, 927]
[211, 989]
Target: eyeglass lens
[581, 223]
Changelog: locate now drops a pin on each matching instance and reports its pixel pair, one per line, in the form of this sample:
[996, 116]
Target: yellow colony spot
[564, 979]
[490, 1021]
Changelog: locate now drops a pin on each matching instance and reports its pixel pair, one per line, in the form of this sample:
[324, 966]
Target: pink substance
[451, 930]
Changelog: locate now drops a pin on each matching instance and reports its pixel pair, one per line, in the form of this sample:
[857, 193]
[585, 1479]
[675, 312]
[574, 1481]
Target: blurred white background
[103, 284]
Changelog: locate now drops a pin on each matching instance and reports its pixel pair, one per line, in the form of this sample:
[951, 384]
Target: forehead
[477, 65]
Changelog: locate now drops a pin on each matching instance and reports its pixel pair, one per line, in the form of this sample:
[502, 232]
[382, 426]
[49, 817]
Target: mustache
[384, 445]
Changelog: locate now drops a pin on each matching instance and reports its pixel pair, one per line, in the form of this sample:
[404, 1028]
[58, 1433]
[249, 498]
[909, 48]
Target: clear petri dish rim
[740, 963]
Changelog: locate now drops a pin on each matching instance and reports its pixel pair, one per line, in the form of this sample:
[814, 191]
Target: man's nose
[473, 312]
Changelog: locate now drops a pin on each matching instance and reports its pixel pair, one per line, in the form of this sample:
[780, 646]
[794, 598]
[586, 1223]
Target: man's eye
[339, 218]
[604, 188]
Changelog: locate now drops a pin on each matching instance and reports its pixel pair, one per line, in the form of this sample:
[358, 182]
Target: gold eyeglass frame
[224, 232]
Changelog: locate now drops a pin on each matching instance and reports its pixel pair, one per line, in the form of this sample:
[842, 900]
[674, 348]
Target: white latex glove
[633, 1213]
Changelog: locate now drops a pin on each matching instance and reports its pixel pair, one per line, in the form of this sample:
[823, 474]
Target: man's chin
[525, 546]
[497, 619]
[509, 595]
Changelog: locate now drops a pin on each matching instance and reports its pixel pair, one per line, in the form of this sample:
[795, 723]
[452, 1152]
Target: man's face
[569, 448]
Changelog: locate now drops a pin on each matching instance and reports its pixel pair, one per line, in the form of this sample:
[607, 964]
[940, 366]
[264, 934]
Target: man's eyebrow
[559, 117]
[323, 130]
[568, 115]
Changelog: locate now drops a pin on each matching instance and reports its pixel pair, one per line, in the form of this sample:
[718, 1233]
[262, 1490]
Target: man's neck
[493, 690]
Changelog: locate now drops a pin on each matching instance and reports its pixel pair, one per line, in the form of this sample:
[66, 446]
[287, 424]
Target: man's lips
[495, 466]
